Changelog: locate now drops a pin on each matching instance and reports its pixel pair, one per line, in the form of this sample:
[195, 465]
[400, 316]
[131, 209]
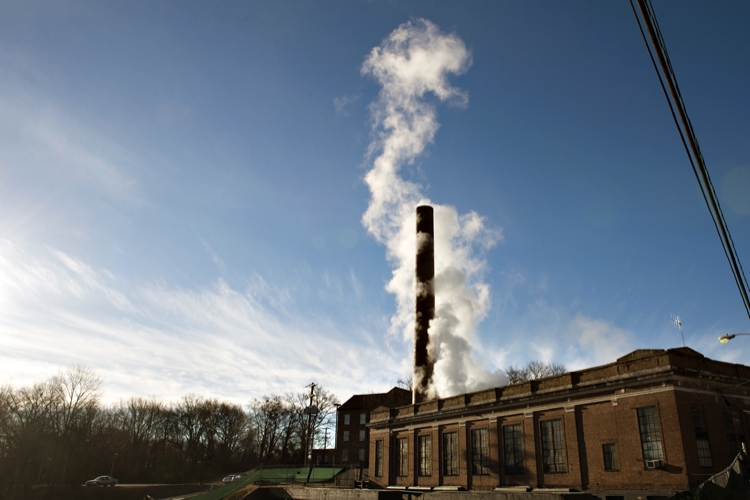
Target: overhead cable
[689, 140]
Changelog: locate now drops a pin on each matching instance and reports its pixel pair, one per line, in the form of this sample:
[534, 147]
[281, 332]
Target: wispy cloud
[214, 256]
[342, 103]
[53, 141]
[170, 341]
[559, 333]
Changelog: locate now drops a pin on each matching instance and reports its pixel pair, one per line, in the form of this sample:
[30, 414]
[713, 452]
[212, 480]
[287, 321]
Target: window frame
[652, 445]
[611, 464]
[451, 466]
[513, 449]
[379, 458]
[402, 457]
[480, 451]
[554, 457]
[424, 450]
[702, 443]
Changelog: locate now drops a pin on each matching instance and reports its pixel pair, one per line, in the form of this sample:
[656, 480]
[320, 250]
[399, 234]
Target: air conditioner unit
[654, 464]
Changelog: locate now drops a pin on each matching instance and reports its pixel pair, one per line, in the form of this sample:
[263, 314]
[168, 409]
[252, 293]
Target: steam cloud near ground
[414, 61]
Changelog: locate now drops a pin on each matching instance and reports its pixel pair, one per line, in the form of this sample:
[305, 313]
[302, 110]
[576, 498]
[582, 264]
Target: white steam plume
[415, 60]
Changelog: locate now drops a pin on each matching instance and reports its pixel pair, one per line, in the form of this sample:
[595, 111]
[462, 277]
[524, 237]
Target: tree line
[59, 432]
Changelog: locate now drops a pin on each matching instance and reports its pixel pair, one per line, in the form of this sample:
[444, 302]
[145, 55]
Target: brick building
[352, 433]
[658, 420]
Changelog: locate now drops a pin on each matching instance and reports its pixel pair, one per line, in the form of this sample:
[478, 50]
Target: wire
[690, 141]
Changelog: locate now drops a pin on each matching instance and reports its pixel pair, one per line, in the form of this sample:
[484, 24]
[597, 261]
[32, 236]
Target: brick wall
[588, 410]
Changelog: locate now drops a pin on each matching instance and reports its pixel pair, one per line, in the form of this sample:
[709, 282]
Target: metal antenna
[678, 324]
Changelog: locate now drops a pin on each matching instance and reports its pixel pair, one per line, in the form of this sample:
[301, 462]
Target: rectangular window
[733, 426]
[363, 418]
[344, 455]
[346, 435]
[362, 435]
[450, 454]
[361, 454]
[425, 455]
[379, 458]
[553, 446]
[402, 457]
[610, 456]
[480, 452]
[513, 445]
[346, 419]
[648, 423]
[701, 437]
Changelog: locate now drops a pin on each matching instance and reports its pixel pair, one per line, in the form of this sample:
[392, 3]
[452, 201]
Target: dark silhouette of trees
[58, 432]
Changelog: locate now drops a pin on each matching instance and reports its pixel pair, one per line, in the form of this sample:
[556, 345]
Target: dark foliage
[58, 433]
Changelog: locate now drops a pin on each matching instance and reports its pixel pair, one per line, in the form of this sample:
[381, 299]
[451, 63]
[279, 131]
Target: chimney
[425, 303]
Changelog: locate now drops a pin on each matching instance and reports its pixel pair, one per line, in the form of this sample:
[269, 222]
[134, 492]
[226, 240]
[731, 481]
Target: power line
[689, 140]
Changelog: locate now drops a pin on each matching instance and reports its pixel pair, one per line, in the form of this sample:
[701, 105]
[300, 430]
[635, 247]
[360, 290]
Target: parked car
[230, 478]
[102, 481]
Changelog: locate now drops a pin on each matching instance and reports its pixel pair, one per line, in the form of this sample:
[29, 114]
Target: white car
[230, 478]
[102, 481]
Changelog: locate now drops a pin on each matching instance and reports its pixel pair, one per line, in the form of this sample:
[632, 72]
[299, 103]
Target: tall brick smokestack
[425, 303]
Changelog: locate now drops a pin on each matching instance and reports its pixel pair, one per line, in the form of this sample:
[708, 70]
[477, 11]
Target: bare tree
[285, 427]
[74, 404]
[231, 424]
[59, 431]
[533, 370]
[24, 421]
[74, 391]
[405, 382]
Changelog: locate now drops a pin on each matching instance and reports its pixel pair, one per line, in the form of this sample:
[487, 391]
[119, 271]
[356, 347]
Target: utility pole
[309, 421]
[309, 431]
[336, 433]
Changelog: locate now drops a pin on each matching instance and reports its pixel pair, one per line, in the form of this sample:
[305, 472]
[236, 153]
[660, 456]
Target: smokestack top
[425, 222]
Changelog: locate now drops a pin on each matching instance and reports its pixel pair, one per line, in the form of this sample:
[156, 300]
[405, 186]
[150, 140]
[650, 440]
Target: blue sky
[183, 189]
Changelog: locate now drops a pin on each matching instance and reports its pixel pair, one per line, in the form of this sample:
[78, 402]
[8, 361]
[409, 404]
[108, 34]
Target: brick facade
[653, 420]
[352, 417]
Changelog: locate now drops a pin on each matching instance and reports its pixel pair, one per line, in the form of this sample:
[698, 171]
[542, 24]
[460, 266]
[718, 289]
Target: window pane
[362, 435]
[361, 454]
[553, 446]
[450, 454]
[610, 457]
[379, 457]
[346, 435]
[346, 419]
[701, 437]
[362, 418]
[480, 452]
[513, 445]
[425, 455]
[648, 423]
[402, 457]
